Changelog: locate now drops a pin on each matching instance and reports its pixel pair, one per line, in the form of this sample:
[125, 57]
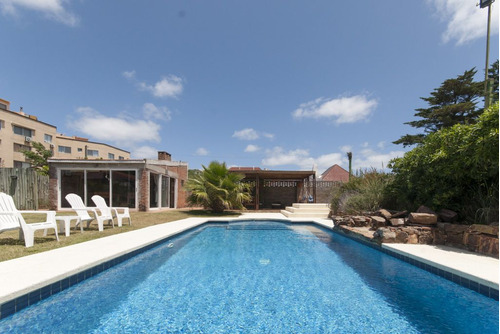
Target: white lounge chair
[101, 205]
[82, 211]
[10, 217]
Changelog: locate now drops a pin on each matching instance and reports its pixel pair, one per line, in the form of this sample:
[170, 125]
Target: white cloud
[252, 148]
[52, 9]
[279, 157]
[202, 151]
[465, 21]
[170, 86]
[343, 110]
[268, 135]
[152, 112]
[346, 148]
[144, 152]
[301, 158]
[114, 130]
[251, 134]
[246, 134]
[129, 74]
[368, 158]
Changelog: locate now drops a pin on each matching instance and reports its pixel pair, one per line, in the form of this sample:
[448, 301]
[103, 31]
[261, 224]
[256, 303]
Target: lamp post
[483, 4]
[349, 156]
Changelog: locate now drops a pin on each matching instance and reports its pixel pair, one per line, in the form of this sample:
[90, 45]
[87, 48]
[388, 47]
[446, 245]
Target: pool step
[313, 210]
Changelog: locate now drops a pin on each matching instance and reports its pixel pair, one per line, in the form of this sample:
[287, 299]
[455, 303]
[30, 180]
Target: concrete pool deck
[22, 276]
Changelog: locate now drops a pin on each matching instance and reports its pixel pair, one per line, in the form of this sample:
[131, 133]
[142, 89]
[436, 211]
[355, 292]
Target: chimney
[162, 155]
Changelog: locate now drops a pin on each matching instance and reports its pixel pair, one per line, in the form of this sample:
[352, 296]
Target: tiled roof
[335, 173]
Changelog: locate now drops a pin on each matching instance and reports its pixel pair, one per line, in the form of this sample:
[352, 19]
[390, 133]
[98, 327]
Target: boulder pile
[424, 227]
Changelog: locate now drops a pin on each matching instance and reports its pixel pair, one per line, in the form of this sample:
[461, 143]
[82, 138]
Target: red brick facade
[335, 173]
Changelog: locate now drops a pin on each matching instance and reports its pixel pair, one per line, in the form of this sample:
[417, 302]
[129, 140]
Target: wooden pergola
[275, 178]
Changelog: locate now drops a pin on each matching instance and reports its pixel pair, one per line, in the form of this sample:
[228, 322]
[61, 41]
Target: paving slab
[478, 268]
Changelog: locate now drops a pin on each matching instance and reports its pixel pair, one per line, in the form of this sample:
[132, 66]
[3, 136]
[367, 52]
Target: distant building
[335, 173]
[18, 130]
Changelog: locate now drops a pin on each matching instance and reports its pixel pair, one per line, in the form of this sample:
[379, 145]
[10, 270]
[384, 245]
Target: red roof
[335, 173]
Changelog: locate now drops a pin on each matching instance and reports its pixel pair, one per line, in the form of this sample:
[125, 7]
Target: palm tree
[217, 189]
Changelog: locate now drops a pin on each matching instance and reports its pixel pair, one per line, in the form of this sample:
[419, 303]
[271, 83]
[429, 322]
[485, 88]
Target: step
[311, 205]
[307, 209]
[304, 214]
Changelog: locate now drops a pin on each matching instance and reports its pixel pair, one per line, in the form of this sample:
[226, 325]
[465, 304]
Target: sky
[281, 85]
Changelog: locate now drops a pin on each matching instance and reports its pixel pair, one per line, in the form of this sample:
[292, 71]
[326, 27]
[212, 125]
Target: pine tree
[454, 102]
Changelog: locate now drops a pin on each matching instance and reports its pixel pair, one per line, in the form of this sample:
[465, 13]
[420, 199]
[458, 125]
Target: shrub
[454, 168]
[364, 192]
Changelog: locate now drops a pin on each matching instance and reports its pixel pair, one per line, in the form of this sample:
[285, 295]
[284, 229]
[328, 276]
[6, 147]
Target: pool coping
[60, 268]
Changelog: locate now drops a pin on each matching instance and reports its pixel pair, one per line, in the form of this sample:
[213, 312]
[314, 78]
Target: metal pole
[486, 91]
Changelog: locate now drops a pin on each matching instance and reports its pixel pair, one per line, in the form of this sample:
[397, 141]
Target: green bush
[365, 192]
[454, 168]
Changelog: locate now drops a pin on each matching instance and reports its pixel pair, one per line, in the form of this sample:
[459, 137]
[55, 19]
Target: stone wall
[386, 228]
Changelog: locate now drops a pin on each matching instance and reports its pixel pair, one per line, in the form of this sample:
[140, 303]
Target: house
[142, 184]
[335, 173]
[19, 130]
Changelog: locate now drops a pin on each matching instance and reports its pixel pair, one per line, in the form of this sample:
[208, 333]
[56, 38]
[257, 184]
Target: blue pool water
[261, 277]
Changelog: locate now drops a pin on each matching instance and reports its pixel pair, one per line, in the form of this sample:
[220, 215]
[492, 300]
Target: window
[79, 149]
[111, 156]
[2, 124]
[121, 158]
[18, 130]
[119, 183]
[47, 138]
[64, 149]
[92, 153]
[20, 148]
[21, 164]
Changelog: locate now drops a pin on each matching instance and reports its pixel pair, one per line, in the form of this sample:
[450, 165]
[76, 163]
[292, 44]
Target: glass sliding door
[154, 190]
[172, 193]
[165, 194]
[71, 182]
[97, 184]
[123, 188]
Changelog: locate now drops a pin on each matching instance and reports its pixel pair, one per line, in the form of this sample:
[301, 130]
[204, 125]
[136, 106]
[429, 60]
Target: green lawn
[11, 247]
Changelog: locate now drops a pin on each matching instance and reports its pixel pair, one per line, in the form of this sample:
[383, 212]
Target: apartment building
[18, 130]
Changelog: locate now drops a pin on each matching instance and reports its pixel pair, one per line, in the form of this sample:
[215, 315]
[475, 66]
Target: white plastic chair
[101, 205]
[82, 211]
[10, 217]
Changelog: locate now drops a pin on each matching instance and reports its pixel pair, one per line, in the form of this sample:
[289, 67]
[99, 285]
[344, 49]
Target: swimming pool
[261, 277]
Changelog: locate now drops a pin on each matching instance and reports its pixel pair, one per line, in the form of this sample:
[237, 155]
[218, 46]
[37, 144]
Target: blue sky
[283, 85]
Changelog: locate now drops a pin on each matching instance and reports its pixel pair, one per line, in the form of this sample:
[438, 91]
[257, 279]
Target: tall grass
[365, 192]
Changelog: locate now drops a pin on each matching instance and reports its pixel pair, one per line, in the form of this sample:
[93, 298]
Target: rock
[481, 243]
[360, 221]
[400, 214]
[384, 213]
[422, 218]
[439, 236]
[377, 222]
[425, 238]
[483, 229]
[397, 221]
[448, 216]
[384, 235]
[401, 236]
[424, 209]
[455, 228]
[412, 239]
